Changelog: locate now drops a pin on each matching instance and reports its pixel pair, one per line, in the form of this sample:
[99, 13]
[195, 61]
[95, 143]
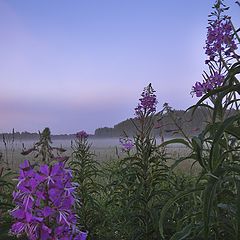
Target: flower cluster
[44, 201]
[82, 135]
[220, 49]
[147, 103]
[126, 144]
[211, 83]
[220, 39]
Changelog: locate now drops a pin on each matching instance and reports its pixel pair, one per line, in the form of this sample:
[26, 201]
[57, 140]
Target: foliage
[138, 182]
[86, 174]
[215, 215]
[6, 188]
[43, 150]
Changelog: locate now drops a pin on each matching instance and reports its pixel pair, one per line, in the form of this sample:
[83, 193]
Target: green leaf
[238, 209]
[209, 196]
[207, 95]
[198, 147]
[233, 168]
[225, 125]
[234, 70]
[215, 158]
[176, 141]
[224, 90]
[220, 97]
[234, 131]
[200, 105]
[170, 202]
[175, 164]
[184, 233]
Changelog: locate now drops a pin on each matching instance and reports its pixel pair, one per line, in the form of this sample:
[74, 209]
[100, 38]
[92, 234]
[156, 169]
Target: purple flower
[82, 135]
[81, 236]
[44, 201]
[45, 232]
[214, 81]
[220, 39]
[198, 89]
[220, 48]
[126, 144]
[147, 103]
[18, 228]
[48, 174]
[47, 211]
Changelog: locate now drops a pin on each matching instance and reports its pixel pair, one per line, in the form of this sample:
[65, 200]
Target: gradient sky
[82, 64]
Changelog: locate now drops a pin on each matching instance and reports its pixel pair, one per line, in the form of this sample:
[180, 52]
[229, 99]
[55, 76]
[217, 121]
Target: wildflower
[147, 103]
[126, 144]
[45, 201]
[214, 81]
[198, 89]
[220, 39]
[81, 236]
[220, 48]
[81, 135]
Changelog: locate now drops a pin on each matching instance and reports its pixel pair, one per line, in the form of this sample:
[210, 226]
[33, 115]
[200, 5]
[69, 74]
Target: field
[104, 149]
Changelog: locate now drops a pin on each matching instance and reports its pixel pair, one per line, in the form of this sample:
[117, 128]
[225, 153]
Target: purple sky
[82, 64]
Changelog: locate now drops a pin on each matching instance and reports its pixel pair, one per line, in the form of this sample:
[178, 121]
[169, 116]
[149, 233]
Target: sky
[82, 64]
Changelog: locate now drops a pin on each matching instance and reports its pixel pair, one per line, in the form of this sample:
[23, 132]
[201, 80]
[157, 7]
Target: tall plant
[45, 198]
[6, 188]
[142, 182]
[43, 150]
[216, 148]
[86, 175]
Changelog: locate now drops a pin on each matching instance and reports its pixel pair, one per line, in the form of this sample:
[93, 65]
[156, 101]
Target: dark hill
[164, 123]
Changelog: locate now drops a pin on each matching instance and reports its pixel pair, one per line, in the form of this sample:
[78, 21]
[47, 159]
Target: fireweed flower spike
[220, 48]
[44, 201]
[220, 40]
[147, 103]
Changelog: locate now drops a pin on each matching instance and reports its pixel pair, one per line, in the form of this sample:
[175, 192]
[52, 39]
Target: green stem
[235, 32]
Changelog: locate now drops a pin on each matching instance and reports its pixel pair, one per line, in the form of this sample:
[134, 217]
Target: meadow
[103, 149]
[185, 187]
[103, 155]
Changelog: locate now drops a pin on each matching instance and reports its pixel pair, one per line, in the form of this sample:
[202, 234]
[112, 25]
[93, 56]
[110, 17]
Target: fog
[66, 143]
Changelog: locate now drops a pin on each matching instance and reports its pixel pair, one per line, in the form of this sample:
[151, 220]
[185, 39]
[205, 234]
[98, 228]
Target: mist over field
[104, 143]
